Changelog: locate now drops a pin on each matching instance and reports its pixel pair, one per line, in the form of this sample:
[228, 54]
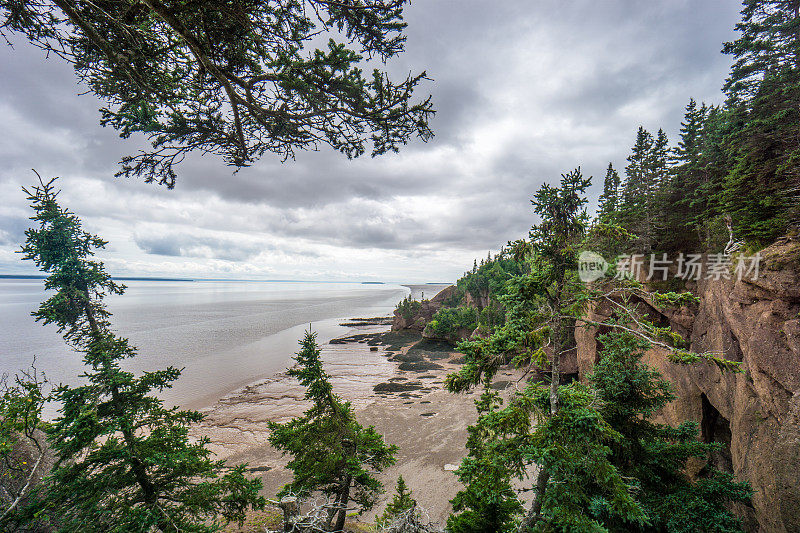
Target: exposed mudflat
[397, 388]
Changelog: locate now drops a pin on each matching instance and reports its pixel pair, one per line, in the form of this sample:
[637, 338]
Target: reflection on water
[222, 333]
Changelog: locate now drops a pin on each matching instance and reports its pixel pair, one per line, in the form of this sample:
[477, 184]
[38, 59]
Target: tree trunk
[559, 344]
[149, 493]
[342, 501]
[536, 507]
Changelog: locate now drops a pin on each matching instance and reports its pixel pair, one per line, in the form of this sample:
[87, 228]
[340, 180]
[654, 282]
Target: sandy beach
[395, 383]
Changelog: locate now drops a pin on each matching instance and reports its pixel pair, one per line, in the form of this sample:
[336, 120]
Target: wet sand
[394, 384]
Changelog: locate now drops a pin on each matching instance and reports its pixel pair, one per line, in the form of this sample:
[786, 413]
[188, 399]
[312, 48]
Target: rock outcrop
[422, 314]
[755, 415]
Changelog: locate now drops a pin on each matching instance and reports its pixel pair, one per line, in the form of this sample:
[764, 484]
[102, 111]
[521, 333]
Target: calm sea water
[224, 334]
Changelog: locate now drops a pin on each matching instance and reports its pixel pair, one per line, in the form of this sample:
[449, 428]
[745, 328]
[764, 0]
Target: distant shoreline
[144, 278]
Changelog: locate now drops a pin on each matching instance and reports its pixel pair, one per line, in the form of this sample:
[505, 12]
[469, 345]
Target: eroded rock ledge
[754, 415]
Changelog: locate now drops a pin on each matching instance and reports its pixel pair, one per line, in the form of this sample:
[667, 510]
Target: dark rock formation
[755, 415]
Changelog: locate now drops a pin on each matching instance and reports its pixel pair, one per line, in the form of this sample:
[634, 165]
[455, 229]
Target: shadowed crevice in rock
[716, 428]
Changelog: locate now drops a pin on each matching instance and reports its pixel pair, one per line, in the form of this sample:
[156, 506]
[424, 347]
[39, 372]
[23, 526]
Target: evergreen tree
[124, 462]
[762, 188]
[659, 161]
[769, 46]
[687, 152]
[637, 190]
[569, 442]
[488, 502]
[235, 78]
[609, 200]
[680, 192]
[706, 189]
[401, 502]
[331, 452]
[655, 455]
[566, 436]
[657, 210]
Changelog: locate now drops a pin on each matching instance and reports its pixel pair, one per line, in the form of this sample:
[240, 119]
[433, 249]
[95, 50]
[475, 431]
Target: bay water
[224, 334]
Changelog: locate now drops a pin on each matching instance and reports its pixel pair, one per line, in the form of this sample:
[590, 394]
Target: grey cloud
[579, 77]
[12, 230]
[179, 245]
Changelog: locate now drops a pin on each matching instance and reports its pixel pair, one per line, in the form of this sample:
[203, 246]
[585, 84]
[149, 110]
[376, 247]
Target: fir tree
[609, 200]
[401, 502]
[655, 455]
[234, 78]
[488, 501]
[124, 462]
[331, 452]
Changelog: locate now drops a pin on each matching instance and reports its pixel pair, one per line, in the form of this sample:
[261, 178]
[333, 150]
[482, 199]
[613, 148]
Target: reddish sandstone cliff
[755, 414]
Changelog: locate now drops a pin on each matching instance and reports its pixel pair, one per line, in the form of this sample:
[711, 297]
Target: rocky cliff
[755, 415]
[419, 317]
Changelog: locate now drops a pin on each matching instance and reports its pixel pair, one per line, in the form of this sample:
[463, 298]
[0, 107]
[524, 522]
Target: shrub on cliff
[452, 323]
[407, 307]
[488, 280]
[124, 462]
[331, 452]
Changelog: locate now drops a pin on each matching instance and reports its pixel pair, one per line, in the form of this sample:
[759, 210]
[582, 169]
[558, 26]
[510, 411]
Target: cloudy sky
[524, 91]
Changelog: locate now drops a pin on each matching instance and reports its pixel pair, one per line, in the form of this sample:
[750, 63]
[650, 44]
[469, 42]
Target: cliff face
[755, 414]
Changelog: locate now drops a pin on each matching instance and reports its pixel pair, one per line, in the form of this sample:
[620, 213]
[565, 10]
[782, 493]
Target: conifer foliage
[331, 452]
[564, 438]
[736, 161]
[488, 502]
[553, 428]
[124, 462]
[236, 78]
[609, 200]
[655, 455]
[401, 502]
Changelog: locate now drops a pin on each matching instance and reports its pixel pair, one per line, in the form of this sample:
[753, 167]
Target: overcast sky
[524, 91]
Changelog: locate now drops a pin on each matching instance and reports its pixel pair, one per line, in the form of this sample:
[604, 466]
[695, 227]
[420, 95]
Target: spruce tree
[569, 441]
[401, 502]
[762, 188]
[488, 502]
[637, 189]
[124, 462]
[331, 452]
[559, 429]
[235, 78]
[681, 191]
[656, 201]
[654, 454]
[609, 200]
